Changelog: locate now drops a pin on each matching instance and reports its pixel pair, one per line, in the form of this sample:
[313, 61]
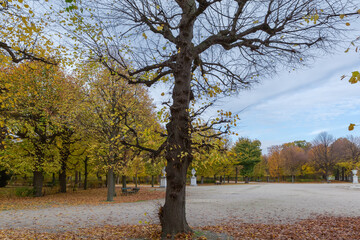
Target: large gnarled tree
[202, 48]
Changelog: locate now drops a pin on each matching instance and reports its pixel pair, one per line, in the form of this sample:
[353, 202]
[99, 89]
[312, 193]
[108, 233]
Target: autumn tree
[322, 155]
[37, 102]
[202, 48]
[275, 162]
[247, 155]
[293, 158]
[23, 35]
[122, 117]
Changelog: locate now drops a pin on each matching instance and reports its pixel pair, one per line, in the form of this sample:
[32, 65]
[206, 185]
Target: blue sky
[297, 105]
[300, 104]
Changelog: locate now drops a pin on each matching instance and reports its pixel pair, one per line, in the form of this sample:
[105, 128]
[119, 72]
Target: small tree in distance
[247, 155]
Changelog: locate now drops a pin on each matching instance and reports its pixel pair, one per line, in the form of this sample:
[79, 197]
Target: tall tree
[38, 95]
[275, 162]
[322, 155]
[204, 48]
[121, 113]
[248, 154]
[293, 158]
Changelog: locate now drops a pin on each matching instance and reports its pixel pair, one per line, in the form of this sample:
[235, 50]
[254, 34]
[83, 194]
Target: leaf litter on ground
[76, 198]
[321, 227]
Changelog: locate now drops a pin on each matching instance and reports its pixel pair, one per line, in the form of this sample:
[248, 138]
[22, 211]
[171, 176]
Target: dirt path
[206, 205]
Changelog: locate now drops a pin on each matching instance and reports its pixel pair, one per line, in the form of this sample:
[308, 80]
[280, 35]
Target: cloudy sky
[298, 105]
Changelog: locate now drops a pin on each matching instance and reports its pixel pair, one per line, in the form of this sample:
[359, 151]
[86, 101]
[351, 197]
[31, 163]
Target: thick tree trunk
[38, 182]
[178, 149]
[85, 172]
[123, 179]
[110, 185]
[53, 179]
[152, 180]
[62, 177]
[76, 179]
[172, 214]
[113, 185]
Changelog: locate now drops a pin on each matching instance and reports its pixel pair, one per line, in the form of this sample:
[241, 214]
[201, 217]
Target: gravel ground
[206, 205]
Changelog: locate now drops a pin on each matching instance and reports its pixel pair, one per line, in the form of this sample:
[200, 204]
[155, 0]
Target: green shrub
[24, 192]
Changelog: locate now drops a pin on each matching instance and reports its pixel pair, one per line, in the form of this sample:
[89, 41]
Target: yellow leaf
[144, 35]
[159, 28]
[342, 16]
[257, 21]
[347, 24]
[351, 126]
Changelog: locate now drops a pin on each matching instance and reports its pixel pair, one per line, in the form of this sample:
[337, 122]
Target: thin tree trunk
[85, 172]
[228, 179]
[152, 180]
[292, 178]
[110, 185]
[38, 181]
[236, 174]
[202, 180]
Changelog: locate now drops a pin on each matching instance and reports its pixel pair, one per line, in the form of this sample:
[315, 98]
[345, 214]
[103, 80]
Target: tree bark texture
[76, 178]
[178, 150]
[38, 182]
[123, 177]
[85, 172]
[110, 185]
[236, 174]
[62, 179]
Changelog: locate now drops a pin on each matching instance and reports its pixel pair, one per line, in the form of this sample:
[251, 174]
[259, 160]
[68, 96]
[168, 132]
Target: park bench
[129, 190]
